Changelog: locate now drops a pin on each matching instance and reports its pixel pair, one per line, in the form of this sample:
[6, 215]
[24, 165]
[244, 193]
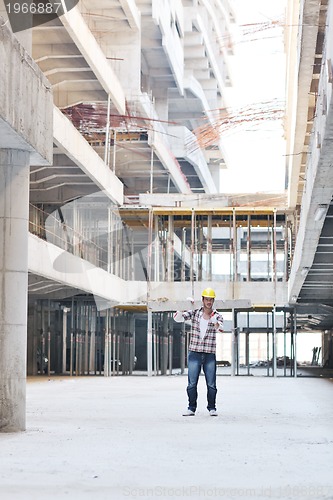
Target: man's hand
[218, 323]
[178, 316]
[213, 318]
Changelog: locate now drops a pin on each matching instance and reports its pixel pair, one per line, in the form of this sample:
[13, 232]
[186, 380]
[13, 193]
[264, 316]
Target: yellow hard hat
[208, 292]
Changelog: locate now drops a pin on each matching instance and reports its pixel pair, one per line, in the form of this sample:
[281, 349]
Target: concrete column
[14, 216]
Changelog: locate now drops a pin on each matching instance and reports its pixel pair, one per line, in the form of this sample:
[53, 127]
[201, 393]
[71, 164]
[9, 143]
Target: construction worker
[205, 322]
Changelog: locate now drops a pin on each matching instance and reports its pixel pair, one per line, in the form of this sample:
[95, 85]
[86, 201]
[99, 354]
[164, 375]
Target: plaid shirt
[208, 343]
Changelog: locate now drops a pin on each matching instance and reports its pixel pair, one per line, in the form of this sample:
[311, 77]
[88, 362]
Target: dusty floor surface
[124, 437]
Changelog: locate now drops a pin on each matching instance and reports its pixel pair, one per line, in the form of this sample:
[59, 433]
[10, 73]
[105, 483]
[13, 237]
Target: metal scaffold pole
[150, 343]
[170, 249]
[295, 343]
[131, 328]
[114, 151]
[247, 344]
[183, 251]
[284, 344]
[156, 251]
[267, 346]
[192, 250]
[149, 311]
[64, 338]
[107, 134]
[209, 247]
[114, 340]
[235, 253]
[48, 337]
[106, 346]
[86, 340]
[164, 347]
[248, 248]
[274, 342]
[234, 345]
[182, 349]
[274, 252]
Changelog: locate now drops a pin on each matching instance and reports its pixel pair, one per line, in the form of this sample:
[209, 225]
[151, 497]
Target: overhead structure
[125, 216]
[309, 137]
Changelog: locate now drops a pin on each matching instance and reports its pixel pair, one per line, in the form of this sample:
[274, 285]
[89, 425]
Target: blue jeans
[207, 361]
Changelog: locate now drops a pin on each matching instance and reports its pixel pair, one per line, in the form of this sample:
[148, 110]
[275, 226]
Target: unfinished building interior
[112, 117]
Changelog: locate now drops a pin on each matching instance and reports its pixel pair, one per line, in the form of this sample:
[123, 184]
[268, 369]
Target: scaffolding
[156, 245]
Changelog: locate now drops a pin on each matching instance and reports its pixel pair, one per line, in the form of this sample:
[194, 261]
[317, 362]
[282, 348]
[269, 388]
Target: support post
[64, 338]
[114, 151]
[267, 346]
[106, 346]
[14, 219]
[182, 349]
[157, 250]
[192, 249]
[248, 247]
[170, 351]
[150, 343]
[209, 248]
[247, 345]
[183, 254]
[235, 248]
[48, 339]
[170, 249]
[234, 344]
[131, 343]
[107, 134]
[151, 171]
[295, 344]
[284, 344]
[164, 354]
[274, 346]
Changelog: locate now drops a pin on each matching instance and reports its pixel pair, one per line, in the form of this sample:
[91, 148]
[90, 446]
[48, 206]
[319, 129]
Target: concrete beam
[170, 163]
[179, 137]
[71, 142]
[162, 149]
[170, 295]
[301, 54]
[92, 52]
[25, 101]
[64, 99]
[132, 13]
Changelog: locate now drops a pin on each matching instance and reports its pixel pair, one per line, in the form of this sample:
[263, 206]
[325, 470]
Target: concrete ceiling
[75, 80]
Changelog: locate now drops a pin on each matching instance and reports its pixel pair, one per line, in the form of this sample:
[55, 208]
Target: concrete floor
[124, 437]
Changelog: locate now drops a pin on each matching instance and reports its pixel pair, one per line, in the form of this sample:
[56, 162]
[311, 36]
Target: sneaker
[213, 413]
[188, 413]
